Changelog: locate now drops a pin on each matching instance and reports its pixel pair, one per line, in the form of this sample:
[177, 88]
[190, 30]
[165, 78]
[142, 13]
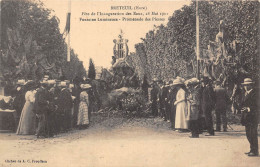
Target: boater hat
[63, 84]
[194, 81]
[248, 81]
[21, 82]
[71, 86]
[85, 86]
[50, 82]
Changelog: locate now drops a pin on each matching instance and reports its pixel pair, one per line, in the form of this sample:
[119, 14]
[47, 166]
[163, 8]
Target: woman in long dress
[181, 123]
[83, 115]
[26, 124]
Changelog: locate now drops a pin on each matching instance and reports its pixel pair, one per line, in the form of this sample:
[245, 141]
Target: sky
[94, 39]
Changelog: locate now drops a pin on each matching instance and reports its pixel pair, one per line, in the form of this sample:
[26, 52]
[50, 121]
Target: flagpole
[68, 48]
[197, 39]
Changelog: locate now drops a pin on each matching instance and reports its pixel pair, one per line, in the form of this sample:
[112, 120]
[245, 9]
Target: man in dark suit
[167, 107]
[221, 106]
[207, 104]
[42, 98]
[65, 104]
[250, 112]
[154, 98]
[161, 101]
[19, 100]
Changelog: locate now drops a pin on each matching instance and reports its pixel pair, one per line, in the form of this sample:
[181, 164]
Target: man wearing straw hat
[250, 115]
[207, 104]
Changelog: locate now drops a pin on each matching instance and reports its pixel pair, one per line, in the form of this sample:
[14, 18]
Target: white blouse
[30, 96]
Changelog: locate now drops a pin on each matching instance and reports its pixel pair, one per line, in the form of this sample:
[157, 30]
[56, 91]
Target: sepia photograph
[129, 83]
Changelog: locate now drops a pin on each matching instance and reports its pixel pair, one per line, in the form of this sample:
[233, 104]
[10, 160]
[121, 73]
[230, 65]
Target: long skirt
[181, 116]
[27, 120]
[83, 117]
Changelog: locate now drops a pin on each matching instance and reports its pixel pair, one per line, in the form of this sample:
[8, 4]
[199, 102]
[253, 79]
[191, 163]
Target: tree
[74, 68]
[145, 86]
[32, 44]
[91, 70]
[170, 50]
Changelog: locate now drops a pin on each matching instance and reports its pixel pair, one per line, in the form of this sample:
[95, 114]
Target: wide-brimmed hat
[21, 82]
[178, 81]
[71, 86]
[248, 81]
[50, 82]
[85, 86]
[63, 84]
[192, 81]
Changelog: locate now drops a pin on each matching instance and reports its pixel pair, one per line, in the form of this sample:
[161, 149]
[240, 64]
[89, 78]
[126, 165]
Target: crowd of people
[189, 105]
[49, 107]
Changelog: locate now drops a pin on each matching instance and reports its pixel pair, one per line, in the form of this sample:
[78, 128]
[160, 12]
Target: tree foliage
[32, 44]
[91, 70]
[170, 50]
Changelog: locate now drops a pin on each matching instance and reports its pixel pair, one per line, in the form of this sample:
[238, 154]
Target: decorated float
[125, 93]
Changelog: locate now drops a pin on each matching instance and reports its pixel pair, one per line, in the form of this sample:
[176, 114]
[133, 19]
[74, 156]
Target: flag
[67, 28]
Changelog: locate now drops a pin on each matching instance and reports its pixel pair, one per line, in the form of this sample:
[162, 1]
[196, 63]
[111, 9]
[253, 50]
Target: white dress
[181, 121]
[27, 120]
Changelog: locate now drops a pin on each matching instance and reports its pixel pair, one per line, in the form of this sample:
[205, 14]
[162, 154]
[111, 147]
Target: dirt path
[127, 142]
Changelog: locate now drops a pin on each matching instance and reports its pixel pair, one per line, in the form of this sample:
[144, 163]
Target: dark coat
[154, 94]
[19, 100]
[171, 98]
[64, 101]
[163, 96]
[208, 98]
[251, 101]
[76, 92]
[42, 99]
[222, 98]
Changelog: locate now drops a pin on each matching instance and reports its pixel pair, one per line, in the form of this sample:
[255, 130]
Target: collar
[247, 92]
